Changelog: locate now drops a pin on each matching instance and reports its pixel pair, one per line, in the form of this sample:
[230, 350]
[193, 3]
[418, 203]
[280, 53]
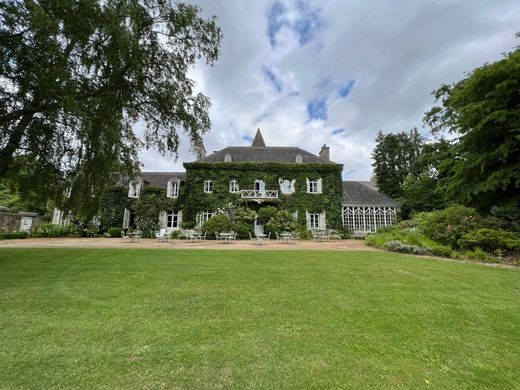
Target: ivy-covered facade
[307, 185]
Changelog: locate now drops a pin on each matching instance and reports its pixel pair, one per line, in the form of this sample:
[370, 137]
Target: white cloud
[397, 53]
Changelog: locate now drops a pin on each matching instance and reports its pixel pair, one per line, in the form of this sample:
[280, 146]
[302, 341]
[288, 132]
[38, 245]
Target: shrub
[480, 255]
[442, 250]
[244, 216]
[176, 234]
[305, 234]
[188, 225]
[218, 223]
[491, 240]
[399, 246]
[449, 225]
[13, 235]
[242, 230]
[115, 232]
[53, 230]
[265, 214]
[280, 221]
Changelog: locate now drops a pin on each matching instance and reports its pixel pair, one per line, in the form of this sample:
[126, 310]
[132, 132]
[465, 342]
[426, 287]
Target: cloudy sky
[336, 72]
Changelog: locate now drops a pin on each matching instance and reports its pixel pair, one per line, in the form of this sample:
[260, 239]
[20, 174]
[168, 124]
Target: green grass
[258, 319]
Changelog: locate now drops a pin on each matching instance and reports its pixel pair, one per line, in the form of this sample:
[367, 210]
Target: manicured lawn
[258, 319]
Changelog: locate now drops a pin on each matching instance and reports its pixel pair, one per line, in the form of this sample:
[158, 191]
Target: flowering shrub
[449, 225]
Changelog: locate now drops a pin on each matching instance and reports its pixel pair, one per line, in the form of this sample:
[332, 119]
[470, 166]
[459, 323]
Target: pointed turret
[258, 142]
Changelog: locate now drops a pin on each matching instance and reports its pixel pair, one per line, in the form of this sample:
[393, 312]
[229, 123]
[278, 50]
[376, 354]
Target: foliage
[112, 205]
[242, 230]
[483, 111]
[244, 216]
[265, 214]
[115, 232]
[218, 223]
[281, 221]
[447, 226]
[393, 157]
[246, 173]
[188, 224]
[491, 240]
[53, 230]
[420, 189]
[399, 246]
[13, 235]
[151, 202]
[75, 77]
[480, 255]
[508, 214]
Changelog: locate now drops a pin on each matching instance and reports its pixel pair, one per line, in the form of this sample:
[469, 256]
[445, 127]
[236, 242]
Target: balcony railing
[253, 194]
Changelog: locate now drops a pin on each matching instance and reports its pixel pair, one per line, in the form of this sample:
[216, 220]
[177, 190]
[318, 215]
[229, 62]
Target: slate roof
[160, 179]
[263, 154]
[259, 140]
[364, 193]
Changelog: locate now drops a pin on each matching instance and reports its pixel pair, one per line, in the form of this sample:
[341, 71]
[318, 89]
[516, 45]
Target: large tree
[393, 157]
[482, 112]
[75, 76]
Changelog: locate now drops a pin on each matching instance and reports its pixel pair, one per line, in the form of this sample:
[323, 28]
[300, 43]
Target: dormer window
[134, 189]
[172, 191]
[208, 186]
[314, 186]
[228, 158]
[299, 158]
[233, 186]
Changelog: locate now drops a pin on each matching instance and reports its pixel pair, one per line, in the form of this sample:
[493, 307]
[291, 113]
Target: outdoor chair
[255, 240]
[295, 238]
[124, 237]
[161, 235]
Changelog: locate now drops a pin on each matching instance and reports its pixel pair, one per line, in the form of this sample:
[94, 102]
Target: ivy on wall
[192, 199]
[246, 173]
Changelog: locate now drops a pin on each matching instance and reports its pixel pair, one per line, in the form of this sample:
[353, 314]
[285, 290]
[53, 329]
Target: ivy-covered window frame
[287, 186]
[173, 187]
[314, 186]
[234, 188]
[134, 188]
[208, 186]
[316, 220]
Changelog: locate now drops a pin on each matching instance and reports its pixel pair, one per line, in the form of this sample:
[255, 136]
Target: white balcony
[259, 195]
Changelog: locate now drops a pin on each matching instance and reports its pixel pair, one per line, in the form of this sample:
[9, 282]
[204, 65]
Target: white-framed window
[314, 186]
[287, 186]
[172, 219]
[228, 158]
[134, 189]
[208, 186]
[314, 221]
[172, 190]
[206, 214]
[233, 186]
[298, 159]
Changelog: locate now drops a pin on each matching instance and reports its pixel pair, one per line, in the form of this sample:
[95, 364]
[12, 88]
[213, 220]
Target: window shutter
[319, 186]
[169, 189]
[130, 188]
[126, 219]
[179, 219]
[322, 223]
[162, 219]
[308, 185]
[293, 185]
[308, 218]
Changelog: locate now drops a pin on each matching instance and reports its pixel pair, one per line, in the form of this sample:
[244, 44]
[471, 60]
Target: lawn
[259, 319]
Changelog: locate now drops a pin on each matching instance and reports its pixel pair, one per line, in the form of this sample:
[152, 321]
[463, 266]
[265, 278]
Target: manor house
[310, 186]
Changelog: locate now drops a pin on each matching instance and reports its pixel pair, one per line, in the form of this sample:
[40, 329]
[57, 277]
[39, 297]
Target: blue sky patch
[317, 109]
[338, 131]
[247, 138]
[347, 88]
[275, 21]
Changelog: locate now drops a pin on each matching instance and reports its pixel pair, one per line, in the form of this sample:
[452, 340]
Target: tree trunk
[6, 154]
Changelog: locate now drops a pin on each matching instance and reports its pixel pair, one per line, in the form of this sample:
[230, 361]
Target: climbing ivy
[246, 173]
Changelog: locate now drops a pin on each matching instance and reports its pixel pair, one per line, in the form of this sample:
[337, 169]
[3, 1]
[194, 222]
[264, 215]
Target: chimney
[325, 152]
[200, 151]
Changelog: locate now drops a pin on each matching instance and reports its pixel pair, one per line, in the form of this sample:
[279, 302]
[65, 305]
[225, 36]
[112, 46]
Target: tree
[421, 186]
[76, 76]
[393, 157]
[483, 112]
